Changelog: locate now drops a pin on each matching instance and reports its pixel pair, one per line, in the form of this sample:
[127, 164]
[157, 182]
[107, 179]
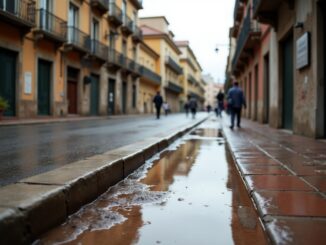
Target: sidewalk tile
[274, 182]
[290, 203]
[254, 169]
[297, 231]
[317, 181]
[259, 161]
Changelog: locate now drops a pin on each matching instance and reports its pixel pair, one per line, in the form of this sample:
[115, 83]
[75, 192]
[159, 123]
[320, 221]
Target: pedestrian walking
[220, 103]
[158, 101]
[236, 100]
[193, 106]
[166, 108]
[186, 108]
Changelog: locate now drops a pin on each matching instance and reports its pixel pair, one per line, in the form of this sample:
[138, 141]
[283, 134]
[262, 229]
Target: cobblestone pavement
[285, 175]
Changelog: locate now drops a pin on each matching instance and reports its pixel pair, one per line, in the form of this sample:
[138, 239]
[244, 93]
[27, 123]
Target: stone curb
[36, 204]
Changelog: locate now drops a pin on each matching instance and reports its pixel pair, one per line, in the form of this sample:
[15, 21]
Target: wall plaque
[303, 51]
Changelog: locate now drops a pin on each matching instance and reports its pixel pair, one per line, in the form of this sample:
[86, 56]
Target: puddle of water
[191, 194]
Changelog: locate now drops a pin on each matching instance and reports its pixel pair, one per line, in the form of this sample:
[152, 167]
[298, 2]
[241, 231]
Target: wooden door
[124, 97]
[287, 75]
[94, 106]
[72, 97]
[111, 97]
[43, 88]
[8, 79]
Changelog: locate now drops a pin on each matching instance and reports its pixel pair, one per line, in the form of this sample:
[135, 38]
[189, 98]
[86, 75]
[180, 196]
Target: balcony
[127, 26]
[150, 76]
[173, 65]
[115, 15]
[78, 40]
[115, 60]
[99, 50]
[192, 80]
[18, 13]
[137, 3]
[249, 36]
[101, 5]
[137, 35]
[238, 10]
[171, 86]
[266, 11]
[50, 26]
[133, 67]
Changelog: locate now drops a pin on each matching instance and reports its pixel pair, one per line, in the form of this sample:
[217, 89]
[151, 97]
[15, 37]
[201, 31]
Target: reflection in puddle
[191, 194]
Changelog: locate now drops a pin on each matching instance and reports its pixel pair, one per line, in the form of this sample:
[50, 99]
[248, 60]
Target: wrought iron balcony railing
[115, 14]
[127, 25]
[238, 10]
[79, 39]
[137, 3]
[173, 65]
[150, 75]
[51, 25]
[101, 5]
[174, 87]
[249, 27]
[192, 80]
[99, 49]
[115, 58]
[20, 12]
[137, 33]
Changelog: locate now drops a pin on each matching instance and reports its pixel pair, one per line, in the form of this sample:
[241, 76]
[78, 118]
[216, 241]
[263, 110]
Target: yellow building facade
[69, 57]
[158, 37]
[191, 78]
[150, 80]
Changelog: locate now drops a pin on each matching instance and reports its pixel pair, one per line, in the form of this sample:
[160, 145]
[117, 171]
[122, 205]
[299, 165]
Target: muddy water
[190, 194]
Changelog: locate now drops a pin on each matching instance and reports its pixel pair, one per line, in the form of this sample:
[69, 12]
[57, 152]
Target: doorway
[73, 75]
[256, 94]
[124, 97]
[43, 87]
[111, 97]
[249, 95]
[94, 103]
[287, 86]
[8, 79]
[266, 89]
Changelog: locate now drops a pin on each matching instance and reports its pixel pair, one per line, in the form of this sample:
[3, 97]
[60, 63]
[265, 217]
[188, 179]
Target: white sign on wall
[28, 83]
[303, 50]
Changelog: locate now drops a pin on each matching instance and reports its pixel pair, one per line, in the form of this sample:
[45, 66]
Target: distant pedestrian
[166, 108]
[193, 106]
[208, 108]
[220, 103]
[186, 108]
[236, 100]
[158, 101]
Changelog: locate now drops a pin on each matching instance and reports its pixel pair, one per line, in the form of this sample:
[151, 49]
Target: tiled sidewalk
[285, 175]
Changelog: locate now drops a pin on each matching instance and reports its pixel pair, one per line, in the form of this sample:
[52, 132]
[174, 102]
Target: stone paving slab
[36, 204]
[285, 175]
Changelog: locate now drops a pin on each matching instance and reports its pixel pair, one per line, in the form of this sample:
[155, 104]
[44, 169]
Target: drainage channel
[190, 193]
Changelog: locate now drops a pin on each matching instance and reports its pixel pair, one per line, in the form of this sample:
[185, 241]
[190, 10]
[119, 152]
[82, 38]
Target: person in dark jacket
[220, 103]
[236, 100]
[193, 106]
[158, 101]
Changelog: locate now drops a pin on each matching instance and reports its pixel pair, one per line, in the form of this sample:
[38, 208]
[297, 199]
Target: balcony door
[45, 14]
[8, 79]
[9, 6]
[72, 23]
[124, 11]
[94, 35]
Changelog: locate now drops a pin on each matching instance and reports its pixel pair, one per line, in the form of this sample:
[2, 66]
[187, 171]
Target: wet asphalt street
[27, 150]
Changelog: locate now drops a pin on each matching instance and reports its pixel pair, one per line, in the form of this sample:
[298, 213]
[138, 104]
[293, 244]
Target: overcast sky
[204, 23]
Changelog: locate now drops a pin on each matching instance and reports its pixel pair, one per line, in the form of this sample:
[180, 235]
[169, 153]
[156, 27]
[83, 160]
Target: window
[73, 23]
[124, 11]
[8, 5]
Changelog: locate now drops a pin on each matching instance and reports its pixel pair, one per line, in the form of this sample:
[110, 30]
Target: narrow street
[27, 150]
[189, 194]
